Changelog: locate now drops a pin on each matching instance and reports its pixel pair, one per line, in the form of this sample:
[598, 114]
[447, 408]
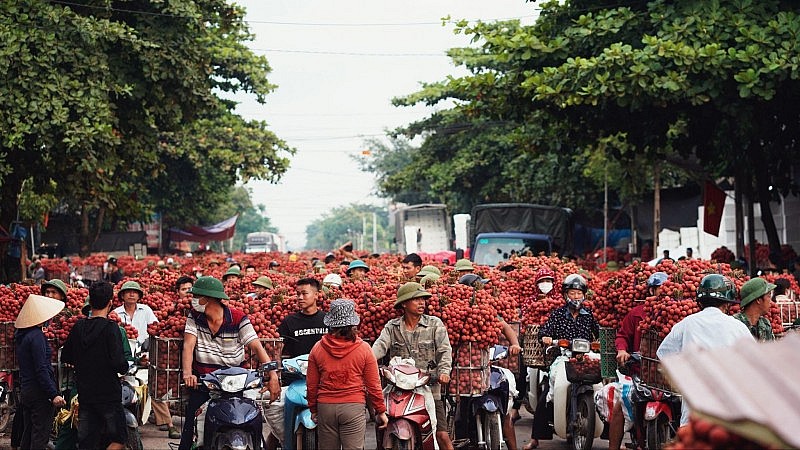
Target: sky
[337, 65]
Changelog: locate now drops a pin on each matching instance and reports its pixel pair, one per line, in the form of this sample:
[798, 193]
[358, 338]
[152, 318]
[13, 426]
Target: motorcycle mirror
[145, 347]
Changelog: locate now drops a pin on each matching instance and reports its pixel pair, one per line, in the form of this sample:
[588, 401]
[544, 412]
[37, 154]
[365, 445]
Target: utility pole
[656, 208]
[374, 233]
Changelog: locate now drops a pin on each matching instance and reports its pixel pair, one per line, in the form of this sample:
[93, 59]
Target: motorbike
[408, 402]
[133, 399]
[7, 403]
[480, 418]
[657, 412]
[231, 418]
[574, 415]
[300, 431]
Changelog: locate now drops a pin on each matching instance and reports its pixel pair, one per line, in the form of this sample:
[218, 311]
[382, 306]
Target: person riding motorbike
[710, 328]
[570, 321]
[627, 341]
[214, 337]
[422, 338]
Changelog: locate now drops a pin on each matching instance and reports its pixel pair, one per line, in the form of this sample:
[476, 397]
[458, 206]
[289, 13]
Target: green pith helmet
[716, 287]
[263, 282]
[754, 289]
[130, 286]
[357, 264]
[429, 279]
[209, 287]
[464, 264]
[233, 271]
[428, 270]
[410, 290]
[58, 284]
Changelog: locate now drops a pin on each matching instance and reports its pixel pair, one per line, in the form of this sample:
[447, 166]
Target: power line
[270, 22]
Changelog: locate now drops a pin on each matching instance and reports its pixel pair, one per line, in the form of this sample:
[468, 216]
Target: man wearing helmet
[627, 341]
[570, 321]
[712, 327]
[424, 339]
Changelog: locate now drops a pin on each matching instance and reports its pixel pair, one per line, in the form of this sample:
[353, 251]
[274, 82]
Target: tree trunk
[88, 236]
[762, 191]
[83, 239]
[739, 203]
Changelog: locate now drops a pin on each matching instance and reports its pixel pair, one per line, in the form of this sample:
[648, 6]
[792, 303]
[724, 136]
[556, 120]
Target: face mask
[545, 287]
[575, 304]
[197, 306]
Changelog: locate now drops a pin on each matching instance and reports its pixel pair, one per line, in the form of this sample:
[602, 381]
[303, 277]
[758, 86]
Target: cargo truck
[423, 228]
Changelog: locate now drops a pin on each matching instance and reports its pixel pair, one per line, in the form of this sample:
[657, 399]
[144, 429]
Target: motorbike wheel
[400, 444]
[6, 414]
[306, 439]
[491, 431]
[657, 432]
[583, 428]
[134, 441]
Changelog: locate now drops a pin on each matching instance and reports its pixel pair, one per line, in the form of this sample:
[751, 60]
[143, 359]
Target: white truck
[264, 241]
[423, 228]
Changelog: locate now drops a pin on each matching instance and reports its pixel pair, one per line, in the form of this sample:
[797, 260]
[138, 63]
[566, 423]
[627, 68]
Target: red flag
[713, 204]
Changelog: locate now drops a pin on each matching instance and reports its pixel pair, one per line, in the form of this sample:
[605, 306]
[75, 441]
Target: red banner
[713, 205]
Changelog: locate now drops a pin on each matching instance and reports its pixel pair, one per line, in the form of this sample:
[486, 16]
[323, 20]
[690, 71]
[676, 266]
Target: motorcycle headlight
[581, 346]
[233, 383]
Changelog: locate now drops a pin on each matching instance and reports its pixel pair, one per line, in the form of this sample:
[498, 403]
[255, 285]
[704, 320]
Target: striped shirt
[226, 347]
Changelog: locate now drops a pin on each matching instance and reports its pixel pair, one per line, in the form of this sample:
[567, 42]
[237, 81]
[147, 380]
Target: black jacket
[94, 347]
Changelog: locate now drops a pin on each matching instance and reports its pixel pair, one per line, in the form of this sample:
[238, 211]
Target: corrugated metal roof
[753, 388]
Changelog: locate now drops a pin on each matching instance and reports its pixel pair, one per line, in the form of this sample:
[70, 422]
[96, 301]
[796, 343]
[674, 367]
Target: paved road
[156, 440]
[152, 439]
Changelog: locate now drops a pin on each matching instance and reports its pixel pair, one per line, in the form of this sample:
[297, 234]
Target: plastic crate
[164, 376]
[608, 352]
[583, 371]
[8, 355]
[650, 367]
[649, 344]
[512, 363]
[471, 370]
[274, 348]
[8, 350]
[532, 347]
[789, 312]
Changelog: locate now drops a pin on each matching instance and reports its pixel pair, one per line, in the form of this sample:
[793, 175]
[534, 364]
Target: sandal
[534, 443]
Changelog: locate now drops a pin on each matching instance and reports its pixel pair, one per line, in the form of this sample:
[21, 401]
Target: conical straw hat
[38, 309]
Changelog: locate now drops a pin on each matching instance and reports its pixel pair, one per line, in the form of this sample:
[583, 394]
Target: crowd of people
[343, 374]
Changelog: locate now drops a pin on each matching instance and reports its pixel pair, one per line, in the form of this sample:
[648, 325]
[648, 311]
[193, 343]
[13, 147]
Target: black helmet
[574, 281]
[716, 287]
[657, 279]
[472, 280]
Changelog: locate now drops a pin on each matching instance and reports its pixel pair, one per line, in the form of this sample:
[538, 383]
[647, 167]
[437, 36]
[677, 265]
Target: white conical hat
[38, 309]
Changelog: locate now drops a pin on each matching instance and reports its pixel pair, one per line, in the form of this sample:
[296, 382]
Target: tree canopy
[123, 107]
[610, 90]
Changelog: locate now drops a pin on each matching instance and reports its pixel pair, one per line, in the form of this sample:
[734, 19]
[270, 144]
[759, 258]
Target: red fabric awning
[217, 232]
